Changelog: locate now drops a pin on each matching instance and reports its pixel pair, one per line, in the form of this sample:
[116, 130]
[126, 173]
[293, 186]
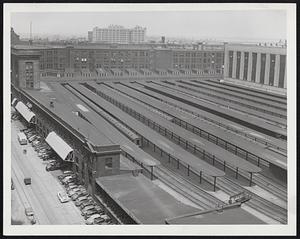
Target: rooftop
[143, 199]
[65, 111]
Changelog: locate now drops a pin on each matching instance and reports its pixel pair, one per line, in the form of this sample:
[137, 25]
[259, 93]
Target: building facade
[137, 57]
[256, 65]
[25, 68]
[117, 34]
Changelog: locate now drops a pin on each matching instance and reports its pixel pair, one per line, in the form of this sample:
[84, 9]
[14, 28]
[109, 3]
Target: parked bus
[22, 138]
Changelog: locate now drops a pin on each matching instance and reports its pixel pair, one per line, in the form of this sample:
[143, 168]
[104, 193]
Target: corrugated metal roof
[25, 111]
[58, 145]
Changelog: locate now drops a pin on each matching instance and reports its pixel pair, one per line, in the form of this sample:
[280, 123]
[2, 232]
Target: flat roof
[233, 105]
[64, 111]
[227, 113]
[126, 145]
[236, 216]
[247, 145]
[249, 91]
[165, 144]
[141, 198]
[253, 101]
[210, 147]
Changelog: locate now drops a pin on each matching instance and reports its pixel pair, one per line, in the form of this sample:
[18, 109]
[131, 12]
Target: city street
[41, 195]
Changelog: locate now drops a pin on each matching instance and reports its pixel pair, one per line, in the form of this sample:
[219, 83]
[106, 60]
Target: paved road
[41, 195]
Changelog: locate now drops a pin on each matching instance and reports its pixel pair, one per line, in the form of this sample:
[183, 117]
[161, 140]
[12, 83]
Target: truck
[27, 180]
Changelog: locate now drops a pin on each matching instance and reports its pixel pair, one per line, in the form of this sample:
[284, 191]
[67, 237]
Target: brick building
[59, 58]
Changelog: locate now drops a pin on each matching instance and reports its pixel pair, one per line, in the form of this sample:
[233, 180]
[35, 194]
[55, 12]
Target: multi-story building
[256, 65]
[117, 34]
[57, 60]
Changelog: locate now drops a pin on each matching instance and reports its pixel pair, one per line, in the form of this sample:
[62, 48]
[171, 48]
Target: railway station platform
[144, 201]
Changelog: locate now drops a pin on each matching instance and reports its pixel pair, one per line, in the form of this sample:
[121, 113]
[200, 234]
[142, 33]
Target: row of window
[200, 54]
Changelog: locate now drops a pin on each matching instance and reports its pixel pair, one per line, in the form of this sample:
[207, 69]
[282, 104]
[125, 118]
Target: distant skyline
[243, 24]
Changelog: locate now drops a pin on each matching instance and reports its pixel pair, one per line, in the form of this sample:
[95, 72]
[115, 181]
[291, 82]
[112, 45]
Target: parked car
[86, 202]
[63, 197]
[68, 172]
[72, 192]
[30, 214]
[103, 219]
[53, 166]
[89, 213]
[86, 208]
[12, 185]
[80, 200]
[70, 187]
[67, 180]
[78, 194]
[97, 208]
[90, 220]
[63, 178]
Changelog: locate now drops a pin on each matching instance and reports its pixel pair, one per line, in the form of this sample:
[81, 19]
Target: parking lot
[54, 200]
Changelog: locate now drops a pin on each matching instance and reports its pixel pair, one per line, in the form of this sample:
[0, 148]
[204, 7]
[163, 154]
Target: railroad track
[258, 203]
[199, 117]
[186, 188]
[269, 185]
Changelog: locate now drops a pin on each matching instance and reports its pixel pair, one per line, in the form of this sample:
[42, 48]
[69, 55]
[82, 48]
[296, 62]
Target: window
[272, 70]
[238, 64]
[262, 68]
[230, 63]
[246, 60]
[108, 163]
[282, 71]
[29, 74]
[254, 60]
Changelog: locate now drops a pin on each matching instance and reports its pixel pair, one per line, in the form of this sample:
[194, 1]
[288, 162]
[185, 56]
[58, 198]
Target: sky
[250, 24]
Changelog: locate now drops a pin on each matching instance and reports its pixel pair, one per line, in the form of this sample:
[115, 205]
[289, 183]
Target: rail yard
[195, 144]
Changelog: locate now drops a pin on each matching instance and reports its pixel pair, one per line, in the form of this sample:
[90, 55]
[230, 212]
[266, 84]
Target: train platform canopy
[220, 153]
[59, 146]
[142, 199]
[63, 111]
[126, 145]
[27, 114]
[234, 215]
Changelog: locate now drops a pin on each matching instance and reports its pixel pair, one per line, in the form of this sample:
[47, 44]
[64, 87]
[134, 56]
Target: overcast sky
[254, 24]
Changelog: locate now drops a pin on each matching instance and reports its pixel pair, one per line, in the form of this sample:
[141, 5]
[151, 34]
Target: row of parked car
[43, 149]
[90, 210]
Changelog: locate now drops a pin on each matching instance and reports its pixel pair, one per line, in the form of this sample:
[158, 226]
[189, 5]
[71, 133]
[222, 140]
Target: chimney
[52, 104]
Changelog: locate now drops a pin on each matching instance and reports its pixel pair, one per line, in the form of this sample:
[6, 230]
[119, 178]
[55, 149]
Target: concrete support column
[267, 70]
[249, 66]
[258, 65]
[234, 65]
[285, 79]
[276, 73]
[242, 65]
